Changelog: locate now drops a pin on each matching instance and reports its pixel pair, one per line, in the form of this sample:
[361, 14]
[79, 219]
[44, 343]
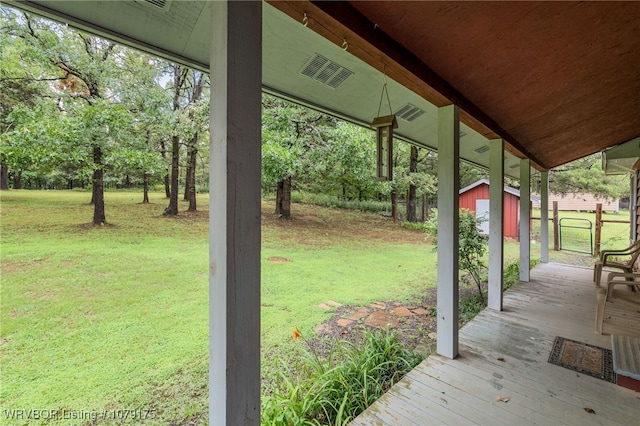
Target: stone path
[377, 314]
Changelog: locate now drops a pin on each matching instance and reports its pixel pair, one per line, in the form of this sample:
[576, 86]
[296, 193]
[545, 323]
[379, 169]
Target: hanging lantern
[384, 135]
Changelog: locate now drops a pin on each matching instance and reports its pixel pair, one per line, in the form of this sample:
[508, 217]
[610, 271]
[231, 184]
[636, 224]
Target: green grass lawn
[576, 237]
[115, 317]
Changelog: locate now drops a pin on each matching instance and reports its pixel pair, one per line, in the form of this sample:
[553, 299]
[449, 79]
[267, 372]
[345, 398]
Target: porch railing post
[544, 217]
[448, 225]
[234, 213]
[496, 223]
[525, 228]
[598, 237]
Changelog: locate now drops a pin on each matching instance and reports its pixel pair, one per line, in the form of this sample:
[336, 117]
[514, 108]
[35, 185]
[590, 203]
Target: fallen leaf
[589, 410]
[502, 399]
[501, 359]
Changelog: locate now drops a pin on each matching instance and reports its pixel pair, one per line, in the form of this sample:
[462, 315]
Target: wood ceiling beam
[339, 22]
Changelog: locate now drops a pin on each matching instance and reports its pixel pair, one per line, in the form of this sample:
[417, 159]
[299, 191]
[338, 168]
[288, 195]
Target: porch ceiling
[556, 80]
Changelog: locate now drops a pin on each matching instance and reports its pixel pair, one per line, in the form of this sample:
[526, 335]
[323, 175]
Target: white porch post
[496, 223]
[448, 215]
[234, 218]
[525, 227]
[544, 217]
[633, 207]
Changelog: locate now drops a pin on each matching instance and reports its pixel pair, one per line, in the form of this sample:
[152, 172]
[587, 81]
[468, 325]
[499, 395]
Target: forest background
[79, 112]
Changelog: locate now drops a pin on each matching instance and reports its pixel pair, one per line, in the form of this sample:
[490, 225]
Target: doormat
[583, 358]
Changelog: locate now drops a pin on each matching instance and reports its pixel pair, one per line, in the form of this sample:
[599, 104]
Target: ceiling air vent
[160, 4]
[325, 71]
[514, 166]
[461, 134]
[409, 112]
[482, 149]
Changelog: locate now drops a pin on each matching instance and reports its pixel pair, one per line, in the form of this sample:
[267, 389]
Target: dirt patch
[38, 296]
[91, 225]
[322, 226]
[9, 267]
[415, 324]
[278, 260]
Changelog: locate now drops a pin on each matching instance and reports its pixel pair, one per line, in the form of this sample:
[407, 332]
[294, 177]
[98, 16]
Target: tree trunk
[411, 199]
[17, 180]
[283, 198]
[187, 184]
[190, 180]
[4, 174]
[98, 188]
[163, 151]
[93, 188]
[394, 205]
[167, 186]
[191, 173]
[172, 208]
[145, 196]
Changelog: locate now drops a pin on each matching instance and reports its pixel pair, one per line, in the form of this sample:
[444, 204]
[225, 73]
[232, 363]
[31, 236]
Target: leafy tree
[83, 67]
[586, 176]
[141, 91]
[344, 163]
[37, 139]
[472, 247]
[411, 200]
[19, 86]
[418, 178]
[197, 123]
[289, 133]
[188, 121]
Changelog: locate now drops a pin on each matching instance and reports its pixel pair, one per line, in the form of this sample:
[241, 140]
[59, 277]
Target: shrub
[469, 307]
[431, 225]
[336, 389]
[338, 202]
[420, 226]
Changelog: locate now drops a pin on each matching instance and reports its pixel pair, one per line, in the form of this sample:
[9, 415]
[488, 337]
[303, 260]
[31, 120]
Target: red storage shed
[475, 197]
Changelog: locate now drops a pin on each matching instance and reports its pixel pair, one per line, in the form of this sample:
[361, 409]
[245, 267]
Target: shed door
[482, 212]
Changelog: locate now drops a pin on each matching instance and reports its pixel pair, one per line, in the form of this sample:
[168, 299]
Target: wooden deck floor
[558, 301]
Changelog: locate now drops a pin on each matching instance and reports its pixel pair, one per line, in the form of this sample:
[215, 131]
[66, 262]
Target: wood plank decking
[504, 354]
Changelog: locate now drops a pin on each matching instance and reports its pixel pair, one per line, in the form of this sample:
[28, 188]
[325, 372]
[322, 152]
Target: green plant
[420, 226]
[339, 202]
[511, 274]
[336, 389]
[472, 247]
[469, 307]
[431, 225]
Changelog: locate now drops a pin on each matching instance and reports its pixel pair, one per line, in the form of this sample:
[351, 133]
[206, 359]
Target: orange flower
[296, 333]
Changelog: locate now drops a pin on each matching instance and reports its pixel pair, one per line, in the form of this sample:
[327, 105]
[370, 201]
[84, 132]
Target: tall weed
[335, 389]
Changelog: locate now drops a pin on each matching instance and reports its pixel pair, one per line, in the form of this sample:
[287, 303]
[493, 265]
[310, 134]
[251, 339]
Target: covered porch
[542, 91]
[504, 354]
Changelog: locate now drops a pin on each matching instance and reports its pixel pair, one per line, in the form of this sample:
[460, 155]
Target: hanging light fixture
[384, 126]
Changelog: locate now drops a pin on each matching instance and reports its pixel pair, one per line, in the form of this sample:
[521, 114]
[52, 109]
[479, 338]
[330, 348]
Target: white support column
[633, 207]
[496, 223]
[448, 224]
[525, 226]
[544, 217]
[234, 213]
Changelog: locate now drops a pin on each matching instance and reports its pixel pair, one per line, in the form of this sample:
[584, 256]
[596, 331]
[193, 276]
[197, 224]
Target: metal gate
[576, 235]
